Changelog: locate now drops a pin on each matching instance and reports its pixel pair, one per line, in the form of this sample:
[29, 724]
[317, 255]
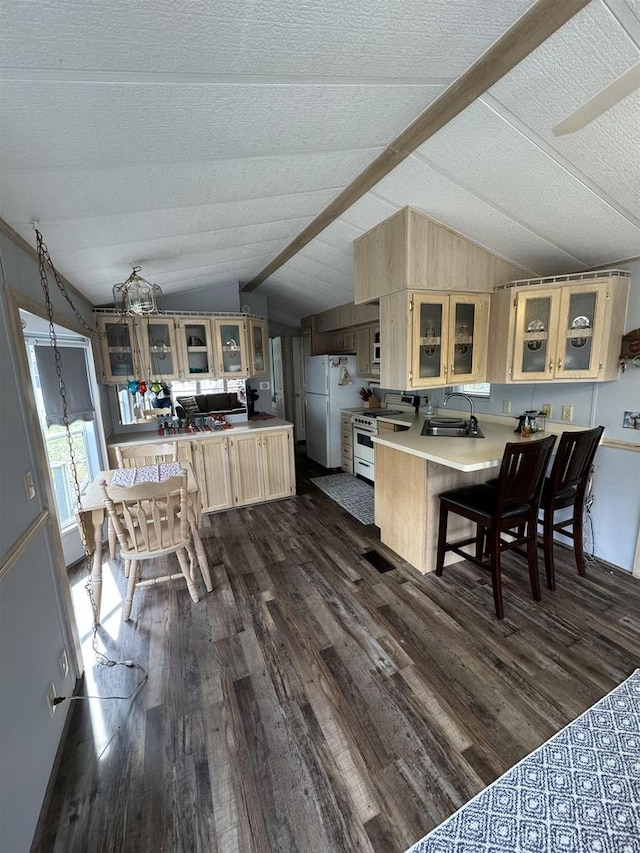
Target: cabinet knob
[559, 364]
[550, 365]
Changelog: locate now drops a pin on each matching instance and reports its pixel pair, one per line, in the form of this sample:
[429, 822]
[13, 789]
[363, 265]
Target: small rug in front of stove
[352, 494]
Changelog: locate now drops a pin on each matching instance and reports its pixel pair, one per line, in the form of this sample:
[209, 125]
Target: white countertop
[134, 437]
[463, 454]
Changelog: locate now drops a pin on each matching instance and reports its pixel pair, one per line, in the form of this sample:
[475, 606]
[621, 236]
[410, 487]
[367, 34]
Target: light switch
[264, 386]
[29, 488]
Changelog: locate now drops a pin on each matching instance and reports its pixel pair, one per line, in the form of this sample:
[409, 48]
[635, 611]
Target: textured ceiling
[197, 141]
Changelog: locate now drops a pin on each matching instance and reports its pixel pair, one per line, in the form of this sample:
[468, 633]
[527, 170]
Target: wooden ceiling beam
[529, 32]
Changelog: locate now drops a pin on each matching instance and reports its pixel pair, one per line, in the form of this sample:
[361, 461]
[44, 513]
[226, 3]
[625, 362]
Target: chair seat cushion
[560, 495]
[482, 499]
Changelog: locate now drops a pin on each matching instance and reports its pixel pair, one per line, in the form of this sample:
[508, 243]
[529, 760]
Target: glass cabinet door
[159, 341]
[258, 361]
[430, 324]
[117, 349]
[536, 320]
[230, 347]
[194, 335]
[579, 331]
[468, 319]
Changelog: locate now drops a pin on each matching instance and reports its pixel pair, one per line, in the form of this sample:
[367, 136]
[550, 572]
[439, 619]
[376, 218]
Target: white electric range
[365, 425]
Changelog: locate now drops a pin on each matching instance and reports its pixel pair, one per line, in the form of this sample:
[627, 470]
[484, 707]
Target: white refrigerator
[325, 395]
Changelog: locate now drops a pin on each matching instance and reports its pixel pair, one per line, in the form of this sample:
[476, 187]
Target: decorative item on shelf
[579, 340]
[429, 349]
[535, 334]
[136, 295]
[463, 338]
[160, 349]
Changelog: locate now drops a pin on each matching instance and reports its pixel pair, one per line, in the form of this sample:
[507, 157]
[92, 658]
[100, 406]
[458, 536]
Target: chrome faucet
[473, 421]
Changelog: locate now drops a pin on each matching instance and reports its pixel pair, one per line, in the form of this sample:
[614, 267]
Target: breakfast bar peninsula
[413, 469]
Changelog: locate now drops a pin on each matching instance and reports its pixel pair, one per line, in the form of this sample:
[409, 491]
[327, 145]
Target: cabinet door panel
[430, 322]
[277, 468]
[119, 347]
[215, 482]
[468, 322]
[246, 466]
[536, 323]
[195, 345]
[258, 345]
[580, 332]
[231, 348]
[160, 351]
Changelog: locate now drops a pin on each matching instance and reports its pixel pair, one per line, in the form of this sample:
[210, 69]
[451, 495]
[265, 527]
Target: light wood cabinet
[409, 251]
[158, 348]
[213, 472]
[567, 331]
[230, 341]
[120, 349]
[195, 348]
[433, 339]
[342, 341]
[262, 466]
[258, 348]
[346, 442]
[365, 339]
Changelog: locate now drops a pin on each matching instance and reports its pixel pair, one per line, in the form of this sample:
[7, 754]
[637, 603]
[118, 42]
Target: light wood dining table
[94, 514]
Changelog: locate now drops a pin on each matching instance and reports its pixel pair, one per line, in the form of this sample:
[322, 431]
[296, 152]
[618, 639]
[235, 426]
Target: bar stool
[510, 506]
[565, 487]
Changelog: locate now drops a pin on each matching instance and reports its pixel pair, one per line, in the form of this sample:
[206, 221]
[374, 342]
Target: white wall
[32, 626]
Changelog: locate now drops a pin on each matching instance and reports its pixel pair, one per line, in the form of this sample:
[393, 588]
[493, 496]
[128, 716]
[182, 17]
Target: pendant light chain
[43, 260]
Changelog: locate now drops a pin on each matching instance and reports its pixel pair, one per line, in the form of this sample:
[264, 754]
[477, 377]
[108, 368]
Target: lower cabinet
[262, 466]
[346, 442]
[211, 464]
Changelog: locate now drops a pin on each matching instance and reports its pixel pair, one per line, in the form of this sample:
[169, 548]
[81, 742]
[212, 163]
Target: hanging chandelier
[136, 295]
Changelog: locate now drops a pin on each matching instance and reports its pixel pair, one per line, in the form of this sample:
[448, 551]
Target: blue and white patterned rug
[352, 494]
[577, 793]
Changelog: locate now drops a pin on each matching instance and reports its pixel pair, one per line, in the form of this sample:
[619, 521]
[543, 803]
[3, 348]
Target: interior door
[298, 389]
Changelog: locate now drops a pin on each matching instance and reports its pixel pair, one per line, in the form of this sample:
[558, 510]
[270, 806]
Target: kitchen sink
[451, 428]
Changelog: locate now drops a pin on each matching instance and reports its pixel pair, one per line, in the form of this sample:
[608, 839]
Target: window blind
[76, 383]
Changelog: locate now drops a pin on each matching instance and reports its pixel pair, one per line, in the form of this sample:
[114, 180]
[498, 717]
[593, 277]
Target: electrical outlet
[567, 413]
[51, 695]
[547, 408]
[64, 663]
[506, 407]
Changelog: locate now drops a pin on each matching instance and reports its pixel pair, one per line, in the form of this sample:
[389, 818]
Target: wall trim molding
[22, 543]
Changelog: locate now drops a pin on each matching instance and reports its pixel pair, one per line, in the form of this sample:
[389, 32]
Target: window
[474, 389]
[128, 403]
[83, 436]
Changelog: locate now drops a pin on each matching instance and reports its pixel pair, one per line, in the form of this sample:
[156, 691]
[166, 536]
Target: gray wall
[33, 629]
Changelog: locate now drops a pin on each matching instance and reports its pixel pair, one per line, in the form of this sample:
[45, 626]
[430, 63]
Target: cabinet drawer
[347, 464]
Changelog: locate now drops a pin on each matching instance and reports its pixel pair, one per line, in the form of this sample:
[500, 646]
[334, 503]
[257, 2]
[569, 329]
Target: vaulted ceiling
[198, 140]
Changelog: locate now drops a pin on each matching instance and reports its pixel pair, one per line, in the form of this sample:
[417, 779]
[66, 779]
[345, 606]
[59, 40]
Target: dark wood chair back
[566, 487]
[522, 472]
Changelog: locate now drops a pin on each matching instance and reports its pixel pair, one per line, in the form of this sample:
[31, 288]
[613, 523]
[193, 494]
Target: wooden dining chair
[509, 507]
[151, 520]
[566, 487]
[133, 456]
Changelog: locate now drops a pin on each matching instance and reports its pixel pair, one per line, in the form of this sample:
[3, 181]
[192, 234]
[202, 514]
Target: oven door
[363, 454]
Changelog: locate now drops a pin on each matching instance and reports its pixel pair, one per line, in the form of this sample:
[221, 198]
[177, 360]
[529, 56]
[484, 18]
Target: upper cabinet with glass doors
[195, 347]
[258, 348]
[230, 341]
[568, 331]
[159, 348]
[433, 339]
[120, 349]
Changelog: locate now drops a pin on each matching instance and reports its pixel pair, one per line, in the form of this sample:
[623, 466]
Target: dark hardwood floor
[313, 704]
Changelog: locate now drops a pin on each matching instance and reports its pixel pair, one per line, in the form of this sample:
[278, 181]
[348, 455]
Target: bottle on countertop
[429, 408]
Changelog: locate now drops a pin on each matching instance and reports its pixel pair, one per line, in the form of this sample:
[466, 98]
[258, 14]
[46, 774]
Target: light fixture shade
[137, 296]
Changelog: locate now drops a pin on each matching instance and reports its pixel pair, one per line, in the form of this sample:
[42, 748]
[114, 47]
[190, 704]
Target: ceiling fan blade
[601, 102]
